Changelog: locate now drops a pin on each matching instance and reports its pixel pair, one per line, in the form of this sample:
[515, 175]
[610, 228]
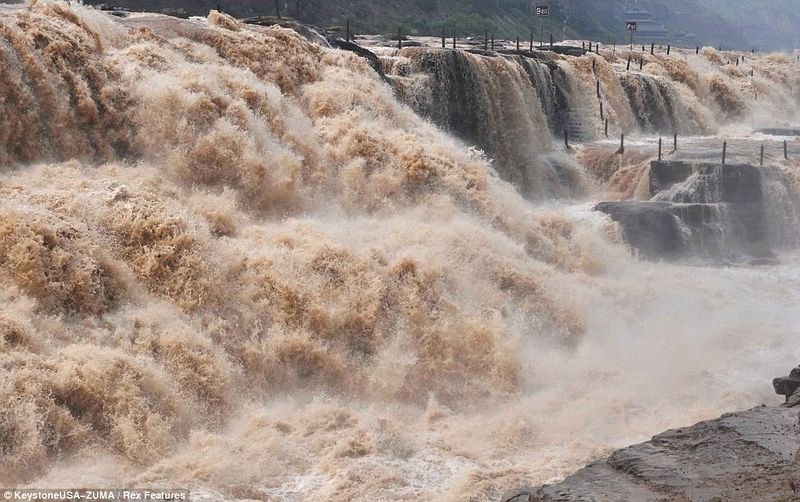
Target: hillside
[769, 25]
[600, 20]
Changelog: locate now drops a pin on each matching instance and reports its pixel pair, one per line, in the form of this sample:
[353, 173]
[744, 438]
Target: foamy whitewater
[234, 261]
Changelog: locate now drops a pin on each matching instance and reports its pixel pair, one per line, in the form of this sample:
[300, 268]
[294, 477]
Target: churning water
[235, 261]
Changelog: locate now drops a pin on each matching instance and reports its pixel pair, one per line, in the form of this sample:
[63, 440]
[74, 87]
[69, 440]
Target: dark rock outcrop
[780, 131]
[789, 386]
[743, 456]
[652, 228]
[718, 211]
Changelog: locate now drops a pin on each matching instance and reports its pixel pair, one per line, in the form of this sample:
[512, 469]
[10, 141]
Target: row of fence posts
[486, 40]
[596, 49]
[761, 153]
[675, 146]
[724, 149]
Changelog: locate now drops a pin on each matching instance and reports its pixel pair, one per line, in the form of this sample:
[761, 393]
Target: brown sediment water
[232, 260]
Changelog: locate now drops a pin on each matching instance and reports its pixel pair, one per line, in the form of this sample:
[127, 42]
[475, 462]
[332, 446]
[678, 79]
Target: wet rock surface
[719, 211]
[748, 455]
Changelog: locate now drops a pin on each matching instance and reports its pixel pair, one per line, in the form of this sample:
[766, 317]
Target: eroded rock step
[743, 456]
[710, 210]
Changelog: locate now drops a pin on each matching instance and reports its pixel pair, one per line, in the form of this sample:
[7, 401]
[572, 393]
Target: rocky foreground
[748, 455]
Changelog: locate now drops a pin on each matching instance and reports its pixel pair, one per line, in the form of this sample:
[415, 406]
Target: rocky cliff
[749, 455]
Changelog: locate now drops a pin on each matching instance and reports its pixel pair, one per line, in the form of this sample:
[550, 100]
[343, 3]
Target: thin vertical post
[541, 32]
[454, 39]
[551, 40]
[486, 40]
[530, 48]
[399, 38]
[594, 66]
[517, 43]
[652, 48]
[606, 128]
[724, 151]
[566, 138]
[602, 115]
[675, 142]
[598, 89]
[668, 49]
[761, 162]
[629, 63]
[444, 36]
[492, 41]
[785, 150]
[659, 148]
[590, 46]
[641, 63]
[697, 50]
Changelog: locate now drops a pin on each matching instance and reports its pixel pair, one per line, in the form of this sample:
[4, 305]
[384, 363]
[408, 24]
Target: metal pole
[444, 36]
[785, 150]
[598, 89]
[518, 43]
[606, 129]
[602, 115]
[454, 39]
[541, 32]
[668, 48]
[762, 155]
[724, 151]
[659, 148]
[530, 48]
[652, 47]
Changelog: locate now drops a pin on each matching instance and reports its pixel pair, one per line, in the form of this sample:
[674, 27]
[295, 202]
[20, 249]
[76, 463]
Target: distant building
[647, 29]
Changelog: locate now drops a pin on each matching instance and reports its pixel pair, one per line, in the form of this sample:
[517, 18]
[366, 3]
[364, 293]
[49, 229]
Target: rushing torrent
[233, 260]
